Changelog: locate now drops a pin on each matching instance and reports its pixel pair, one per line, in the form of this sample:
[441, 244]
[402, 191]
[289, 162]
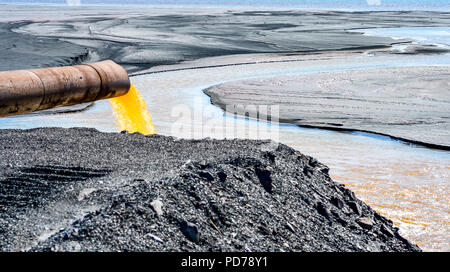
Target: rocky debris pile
[129, 192]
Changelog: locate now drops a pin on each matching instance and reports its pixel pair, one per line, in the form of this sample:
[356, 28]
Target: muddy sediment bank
[141, 38]
[83, 190]
[410, 104]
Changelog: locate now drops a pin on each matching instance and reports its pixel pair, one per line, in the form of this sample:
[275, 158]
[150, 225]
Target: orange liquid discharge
[131, 113]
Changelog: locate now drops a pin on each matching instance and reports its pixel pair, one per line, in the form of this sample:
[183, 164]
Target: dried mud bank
[141, 38]
[83, 190]
[410, 104]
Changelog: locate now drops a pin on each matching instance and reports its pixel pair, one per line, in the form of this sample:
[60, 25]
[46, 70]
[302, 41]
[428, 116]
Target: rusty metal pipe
[25, 91]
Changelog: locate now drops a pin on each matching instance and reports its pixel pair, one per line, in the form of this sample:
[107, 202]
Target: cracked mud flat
[411, 104]
[83, 190]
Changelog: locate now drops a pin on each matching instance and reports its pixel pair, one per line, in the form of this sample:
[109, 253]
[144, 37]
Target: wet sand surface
[412, 104]
[407, 183]
[84, 190]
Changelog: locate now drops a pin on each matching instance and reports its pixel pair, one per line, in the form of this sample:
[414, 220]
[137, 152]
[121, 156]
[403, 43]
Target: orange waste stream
[131, 113]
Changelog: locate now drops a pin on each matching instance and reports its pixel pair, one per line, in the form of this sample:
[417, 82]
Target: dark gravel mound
[24, 51]
[83, 190]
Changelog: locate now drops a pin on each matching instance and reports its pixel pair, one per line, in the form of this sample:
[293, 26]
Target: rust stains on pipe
[25, 91]
[13, 98]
